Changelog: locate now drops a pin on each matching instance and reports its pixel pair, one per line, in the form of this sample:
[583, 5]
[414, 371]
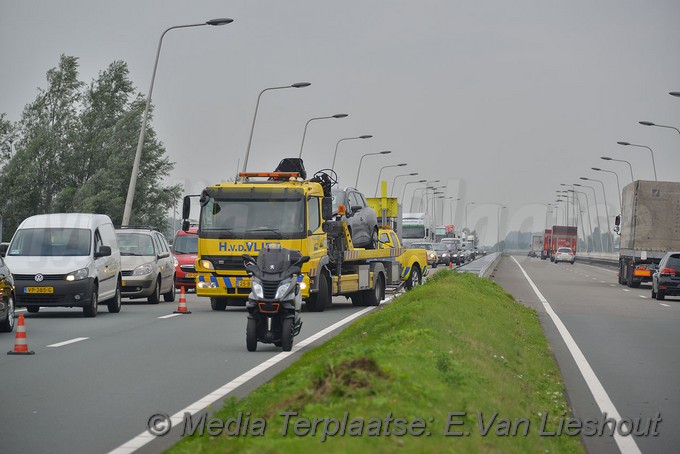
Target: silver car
[361, 219]
[148, 267]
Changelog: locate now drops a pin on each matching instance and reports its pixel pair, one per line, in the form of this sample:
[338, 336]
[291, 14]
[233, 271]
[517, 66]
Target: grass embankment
[456, 344]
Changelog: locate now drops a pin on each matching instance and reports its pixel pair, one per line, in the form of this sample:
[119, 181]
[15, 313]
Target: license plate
[38, 289]
[244, 283]
[191, 275]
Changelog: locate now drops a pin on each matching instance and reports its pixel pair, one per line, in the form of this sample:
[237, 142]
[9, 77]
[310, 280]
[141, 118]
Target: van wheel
[169, 297]
[91, 309]
[7, 325]
[114, 304]
[155, 297]
[318, 301]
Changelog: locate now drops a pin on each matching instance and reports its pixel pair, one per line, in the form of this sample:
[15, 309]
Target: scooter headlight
[283, 289]
[256, 287]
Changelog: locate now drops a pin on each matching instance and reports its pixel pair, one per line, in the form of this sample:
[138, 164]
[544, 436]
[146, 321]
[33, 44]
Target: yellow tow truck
[286, 209]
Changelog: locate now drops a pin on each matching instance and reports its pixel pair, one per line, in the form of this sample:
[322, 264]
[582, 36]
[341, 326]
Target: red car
[185, 249]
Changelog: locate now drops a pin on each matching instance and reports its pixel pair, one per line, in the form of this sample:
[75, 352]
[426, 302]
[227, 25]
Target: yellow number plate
[244, 283]
[39, 290]
[191, 275]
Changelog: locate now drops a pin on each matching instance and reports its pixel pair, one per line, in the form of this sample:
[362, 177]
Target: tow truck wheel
[414, 279]
[218, 304]
[318, 301]
[373, 297]
[251, 335]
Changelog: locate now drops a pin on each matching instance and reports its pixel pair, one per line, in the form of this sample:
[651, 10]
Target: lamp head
[413, 174]
[646, 123]
[340, 115]
[365, 136]
[385, 152]
[401, 164]
[623, 143]
[596, 169]
[606, 158]
[584, 178]
[674, 93]
[220, 21]
[301, 84]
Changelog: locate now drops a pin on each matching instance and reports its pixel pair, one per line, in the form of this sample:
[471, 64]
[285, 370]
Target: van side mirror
[104, 251]
[327, 208]
[617, 220]
[185, 225]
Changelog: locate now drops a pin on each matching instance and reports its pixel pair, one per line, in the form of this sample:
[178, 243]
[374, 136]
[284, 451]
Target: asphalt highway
[630, 341]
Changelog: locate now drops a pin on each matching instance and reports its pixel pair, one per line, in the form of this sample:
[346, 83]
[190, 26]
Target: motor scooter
[275, 300]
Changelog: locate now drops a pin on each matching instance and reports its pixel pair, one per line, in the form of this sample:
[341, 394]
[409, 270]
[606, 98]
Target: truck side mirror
[327, 208]
[617, 220]
[185, 225]
[186, 208]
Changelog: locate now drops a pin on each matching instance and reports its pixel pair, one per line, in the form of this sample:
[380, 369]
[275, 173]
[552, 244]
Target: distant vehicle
[185, 250]
[7, 298]
[454, 253]
[442, 253]
[148, 268]
[648, 226]
[362, 220]
[66, 260]
[432, 258]
[416, 228]
[536, 245]
[562, 236]
[666, 279]
[547, 241]
[564, 254]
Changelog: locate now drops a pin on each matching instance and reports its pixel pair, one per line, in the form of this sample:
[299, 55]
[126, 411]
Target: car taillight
[669, 271]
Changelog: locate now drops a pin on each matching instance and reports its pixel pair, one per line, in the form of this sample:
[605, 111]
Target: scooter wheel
[287, 334]
[251, 335]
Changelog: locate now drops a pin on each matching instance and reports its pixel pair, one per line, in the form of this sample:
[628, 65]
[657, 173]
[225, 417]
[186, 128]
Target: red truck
[563, 236]
[547, 238]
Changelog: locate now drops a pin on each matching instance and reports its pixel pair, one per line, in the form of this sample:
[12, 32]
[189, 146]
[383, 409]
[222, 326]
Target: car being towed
[362, 220]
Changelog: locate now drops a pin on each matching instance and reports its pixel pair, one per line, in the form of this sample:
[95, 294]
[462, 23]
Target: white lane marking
[613, 285]
[72, 341]
[170, 315]
[664, 304]
[625, 290]
[642, 296]
[626, 444]
[600, 268]
[594, 278]
[602, 282]
[20, 310]
[587, 275]
[145, 437]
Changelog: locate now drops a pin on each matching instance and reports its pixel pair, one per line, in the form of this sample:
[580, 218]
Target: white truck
[649, 226]
[416, 228]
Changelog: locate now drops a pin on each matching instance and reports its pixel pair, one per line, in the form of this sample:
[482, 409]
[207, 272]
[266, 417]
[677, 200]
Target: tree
[76, 145]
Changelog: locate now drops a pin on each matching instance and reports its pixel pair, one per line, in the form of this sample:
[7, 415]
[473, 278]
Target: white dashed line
[170, 315]
[613, 285]
[72, 341]
[625, 290]
[664, 304]
[642, 296]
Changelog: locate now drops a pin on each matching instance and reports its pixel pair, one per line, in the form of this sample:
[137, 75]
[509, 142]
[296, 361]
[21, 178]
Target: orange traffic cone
[450, 264]
[182, 307]
[20, 345]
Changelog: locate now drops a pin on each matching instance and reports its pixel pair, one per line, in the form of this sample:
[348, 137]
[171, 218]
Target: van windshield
[56, 242]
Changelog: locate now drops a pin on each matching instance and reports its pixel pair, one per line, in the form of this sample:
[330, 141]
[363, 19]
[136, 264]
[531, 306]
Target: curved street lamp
[362, 159]
[365, 136]
[403, 192]
[607, 158]
[257, 105]
[606, 210]
[412, 174]
[649, 123]
[140, 142]
[618, 185]
[597, 212]
[317, 118]
[674, 93]
[375, 194]
[642, 146]
[590, 221]
[466, 213]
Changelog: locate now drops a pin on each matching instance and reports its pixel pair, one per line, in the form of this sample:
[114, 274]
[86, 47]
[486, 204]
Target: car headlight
[432, 256]
[282, 290]
[257, 289]
[142, 270]
[207, 264]
[78, 275]
[175, 261]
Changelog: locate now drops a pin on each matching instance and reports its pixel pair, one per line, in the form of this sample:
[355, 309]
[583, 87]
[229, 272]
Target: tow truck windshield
[280, 216]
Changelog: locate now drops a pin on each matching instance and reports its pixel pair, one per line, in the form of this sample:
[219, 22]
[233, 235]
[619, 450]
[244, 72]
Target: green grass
[456, 344]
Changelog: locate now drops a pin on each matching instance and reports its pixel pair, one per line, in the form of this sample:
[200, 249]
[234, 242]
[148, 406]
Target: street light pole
[316, 118]
[466, 214]
[642, 146]
[649, 123]
[607, 158]
[498, 242]
[380, 173]
[361, 160]
[606, 210]
[140, 142]
[365, 136]
[403, 192]
[257, 105]
[590, 221]
[399, 176]
[597, 211]
[618, 184]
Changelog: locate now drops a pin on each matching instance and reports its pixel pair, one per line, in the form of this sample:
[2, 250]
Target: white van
[66, 260]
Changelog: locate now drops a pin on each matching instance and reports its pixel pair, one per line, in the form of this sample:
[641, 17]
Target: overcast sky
[506, 99]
